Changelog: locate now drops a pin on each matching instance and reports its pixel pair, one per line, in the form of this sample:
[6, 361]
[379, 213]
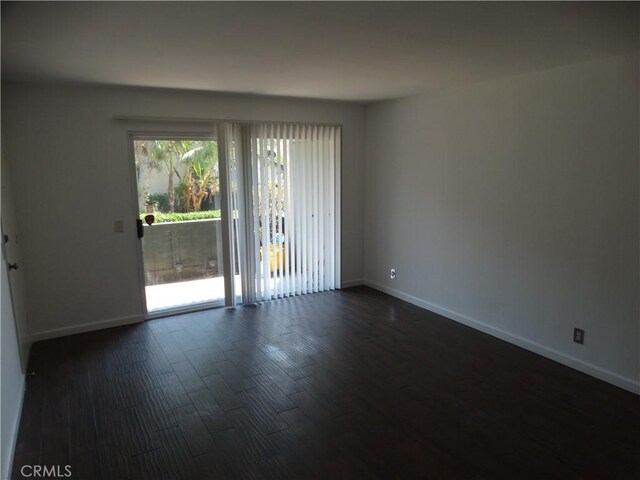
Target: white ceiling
[361, 51]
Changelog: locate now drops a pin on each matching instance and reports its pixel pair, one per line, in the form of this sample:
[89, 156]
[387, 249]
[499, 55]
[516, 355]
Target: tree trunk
[171, 194]
[144, 177]
[143, 185]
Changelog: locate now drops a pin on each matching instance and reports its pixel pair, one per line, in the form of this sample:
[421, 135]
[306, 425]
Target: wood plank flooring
[347, 384]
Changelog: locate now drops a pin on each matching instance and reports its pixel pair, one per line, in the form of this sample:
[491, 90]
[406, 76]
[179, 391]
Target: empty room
[318, 240]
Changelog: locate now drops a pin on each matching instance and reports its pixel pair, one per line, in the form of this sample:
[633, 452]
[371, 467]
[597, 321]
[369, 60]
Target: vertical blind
[285, 195]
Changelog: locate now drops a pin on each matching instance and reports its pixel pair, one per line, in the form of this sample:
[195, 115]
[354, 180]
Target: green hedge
[182, 217]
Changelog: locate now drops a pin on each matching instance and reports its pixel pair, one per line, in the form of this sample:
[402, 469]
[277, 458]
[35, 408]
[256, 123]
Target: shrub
[183, 217]
[160, 201]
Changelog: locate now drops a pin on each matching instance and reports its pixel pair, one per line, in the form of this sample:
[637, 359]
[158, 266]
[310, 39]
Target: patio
[192, 292]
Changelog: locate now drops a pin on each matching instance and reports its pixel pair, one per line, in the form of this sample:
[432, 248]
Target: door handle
[13, 266]
[139, 228]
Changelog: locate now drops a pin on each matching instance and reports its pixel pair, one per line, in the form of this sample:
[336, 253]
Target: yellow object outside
[276, 260]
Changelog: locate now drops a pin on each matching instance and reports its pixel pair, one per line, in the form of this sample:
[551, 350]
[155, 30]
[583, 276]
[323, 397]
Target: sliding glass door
[180, 221]
[246, 214]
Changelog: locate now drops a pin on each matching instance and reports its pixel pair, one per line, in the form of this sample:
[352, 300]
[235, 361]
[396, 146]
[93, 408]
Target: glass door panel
[180, 210]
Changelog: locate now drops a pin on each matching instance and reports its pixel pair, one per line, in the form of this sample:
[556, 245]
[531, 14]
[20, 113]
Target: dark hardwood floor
[347, 384]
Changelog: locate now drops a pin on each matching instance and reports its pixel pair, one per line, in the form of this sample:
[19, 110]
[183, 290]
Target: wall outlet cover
[578, 336]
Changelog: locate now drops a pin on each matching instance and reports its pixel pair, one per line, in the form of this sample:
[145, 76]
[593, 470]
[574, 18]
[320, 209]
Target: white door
[11, 255]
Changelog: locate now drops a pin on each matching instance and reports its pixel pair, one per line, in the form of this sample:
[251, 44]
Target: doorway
[13, 284]
[180, 222]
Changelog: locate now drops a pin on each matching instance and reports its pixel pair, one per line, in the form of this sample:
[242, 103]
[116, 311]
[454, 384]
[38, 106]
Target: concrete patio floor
[187, 293]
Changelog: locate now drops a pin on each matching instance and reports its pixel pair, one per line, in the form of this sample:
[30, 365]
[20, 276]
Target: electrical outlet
[578, 336]
[393, 273]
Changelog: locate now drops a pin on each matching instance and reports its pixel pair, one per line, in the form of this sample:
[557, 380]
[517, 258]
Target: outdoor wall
[73, 177]
[512, 206]
[195, 244]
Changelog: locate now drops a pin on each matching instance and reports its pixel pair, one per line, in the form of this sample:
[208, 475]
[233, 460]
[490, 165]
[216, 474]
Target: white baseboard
[85, 327]
[352, 283]
[560, 357]
[14, 435]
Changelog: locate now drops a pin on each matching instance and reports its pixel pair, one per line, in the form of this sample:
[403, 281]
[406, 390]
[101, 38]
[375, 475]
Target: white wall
[72, 177]
[512, 205]
[12, 387]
